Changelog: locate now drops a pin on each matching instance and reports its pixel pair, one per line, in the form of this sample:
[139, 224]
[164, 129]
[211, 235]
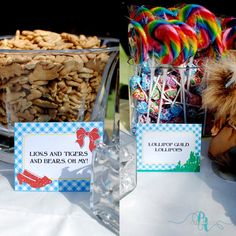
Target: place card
[168, 147]
[55, 156]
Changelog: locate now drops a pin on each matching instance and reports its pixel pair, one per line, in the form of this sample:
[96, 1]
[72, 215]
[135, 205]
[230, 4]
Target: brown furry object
[220, 98]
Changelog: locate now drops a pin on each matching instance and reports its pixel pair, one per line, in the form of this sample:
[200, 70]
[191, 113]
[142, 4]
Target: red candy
[139, 94]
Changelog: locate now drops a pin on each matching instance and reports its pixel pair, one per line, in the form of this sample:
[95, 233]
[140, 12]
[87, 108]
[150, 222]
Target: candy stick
[131, 102]
[155, 85]
[165, 97]
[143, 90]
[150, 89]
[182, 82]
[165, 70]
[189, 67]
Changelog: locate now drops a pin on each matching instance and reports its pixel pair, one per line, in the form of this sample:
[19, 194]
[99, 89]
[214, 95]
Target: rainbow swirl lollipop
[185, 47]
[191, 36]
[229, 38]
[164, 41]
[217, 48]
[138, 40]
[174, 11]
[203, 21]
[188, 41]
[163, 13]
[142, 15]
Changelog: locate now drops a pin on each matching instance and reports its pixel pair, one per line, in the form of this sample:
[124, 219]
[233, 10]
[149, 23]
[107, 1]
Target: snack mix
[39, 82]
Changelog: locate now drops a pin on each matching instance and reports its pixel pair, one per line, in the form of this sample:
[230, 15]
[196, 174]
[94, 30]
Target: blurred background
[80, 17]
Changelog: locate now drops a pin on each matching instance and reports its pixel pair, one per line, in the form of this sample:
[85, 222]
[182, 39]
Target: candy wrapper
[172, 95]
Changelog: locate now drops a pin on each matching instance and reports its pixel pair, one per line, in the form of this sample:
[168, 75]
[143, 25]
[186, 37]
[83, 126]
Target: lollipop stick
[142, 90]
[165, 70]
[150, 88]
[182, 82]
[131, 100]
[155, 85]
[190, 64]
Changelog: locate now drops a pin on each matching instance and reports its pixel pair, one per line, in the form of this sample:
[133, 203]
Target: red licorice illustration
[33, 180]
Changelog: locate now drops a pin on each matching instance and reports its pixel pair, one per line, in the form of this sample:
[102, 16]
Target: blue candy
[134, 81]
[145, 68]
[145, 83]
[175, 110]
[191, 70]
[142, 107]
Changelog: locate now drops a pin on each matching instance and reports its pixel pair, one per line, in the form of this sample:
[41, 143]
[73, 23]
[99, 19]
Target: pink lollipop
[229, 38]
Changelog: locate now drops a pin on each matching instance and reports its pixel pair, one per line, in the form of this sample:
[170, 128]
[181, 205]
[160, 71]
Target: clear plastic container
[104, 200]
[128, 164]
[167, 94]
[113, 176]
[54, 85]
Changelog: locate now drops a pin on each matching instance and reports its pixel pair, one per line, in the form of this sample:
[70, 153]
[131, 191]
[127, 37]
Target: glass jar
[54, 85]
[167, 94]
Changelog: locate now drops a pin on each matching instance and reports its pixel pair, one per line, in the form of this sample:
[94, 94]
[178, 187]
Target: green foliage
[191, 165]
[111, 106]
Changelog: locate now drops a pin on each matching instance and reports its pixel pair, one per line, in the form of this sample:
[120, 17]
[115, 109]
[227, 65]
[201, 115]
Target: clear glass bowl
[54, 85]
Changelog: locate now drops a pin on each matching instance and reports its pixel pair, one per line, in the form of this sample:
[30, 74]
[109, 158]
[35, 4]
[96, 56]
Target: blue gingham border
[21, 129]
[196, 129]
[58, 186]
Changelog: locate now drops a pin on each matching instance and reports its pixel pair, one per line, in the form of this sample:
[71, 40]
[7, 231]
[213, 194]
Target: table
[181, 204]
[44, 214]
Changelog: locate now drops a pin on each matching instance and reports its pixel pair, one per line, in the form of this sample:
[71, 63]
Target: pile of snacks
[47, 85]
[169, 48]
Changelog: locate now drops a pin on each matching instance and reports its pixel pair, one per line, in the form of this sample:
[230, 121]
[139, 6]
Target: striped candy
[164, 41]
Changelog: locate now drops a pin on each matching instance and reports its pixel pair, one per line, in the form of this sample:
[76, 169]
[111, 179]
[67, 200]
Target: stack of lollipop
[168, 47]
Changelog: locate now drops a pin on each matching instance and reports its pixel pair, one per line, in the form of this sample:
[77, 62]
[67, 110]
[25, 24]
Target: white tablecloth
[180, 204]
[44, 214]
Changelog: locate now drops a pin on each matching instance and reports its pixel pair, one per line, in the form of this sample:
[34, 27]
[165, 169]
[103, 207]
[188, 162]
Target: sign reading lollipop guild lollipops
[167, 46]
